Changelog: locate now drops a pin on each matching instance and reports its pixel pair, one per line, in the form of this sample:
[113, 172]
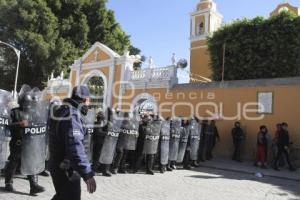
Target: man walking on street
[283, 143]
[68, 160]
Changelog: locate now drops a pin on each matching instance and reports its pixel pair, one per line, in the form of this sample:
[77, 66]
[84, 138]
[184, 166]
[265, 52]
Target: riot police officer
[68, 160]
[4, 122]
[112, 128]
[184, 145]
[98, 140]
[17, 129]
[145, 119]
[174, 142]
[164, 146]
[150, 130]
[203, 140]
[213, 138]
[194, 141]
[127, 141]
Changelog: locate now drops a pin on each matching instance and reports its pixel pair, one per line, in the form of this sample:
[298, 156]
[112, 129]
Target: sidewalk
[249, 168]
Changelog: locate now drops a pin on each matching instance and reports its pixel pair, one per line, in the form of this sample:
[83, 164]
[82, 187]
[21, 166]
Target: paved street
[202, 183]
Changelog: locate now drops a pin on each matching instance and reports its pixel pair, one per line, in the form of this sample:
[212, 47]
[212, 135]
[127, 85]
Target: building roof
[285, 7]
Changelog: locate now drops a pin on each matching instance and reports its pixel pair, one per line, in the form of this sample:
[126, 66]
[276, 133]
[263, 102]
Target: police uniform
[68, 160]
[98, 140]
[150, 157]
[16, 150]
[140, 148]
[121, 155]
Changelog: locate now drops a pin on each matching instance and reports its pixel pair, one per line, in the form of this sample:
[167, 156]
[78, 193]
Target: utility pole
[223, 64]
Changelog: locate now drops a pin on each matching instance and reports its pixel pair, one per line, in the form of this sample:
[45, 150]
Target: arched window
[97, 88]
[201, 29]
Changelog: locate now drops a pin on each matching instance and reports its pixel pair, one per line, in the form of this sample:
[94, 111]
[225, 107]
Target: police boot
[150, 162]
[169, 168]
[114, 171]
[44, 173]
[8, 182]
[195, 164]
[122, 169]
[105, 171]
[163, 169]
[34, 186]
[8, 179]
[173, 165]
[138, 164]
[9, 187]
[187, 166]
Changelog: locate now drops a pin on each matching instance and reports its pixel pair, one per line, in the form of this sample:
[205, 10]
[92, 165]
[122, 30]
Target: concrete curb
[297, 179]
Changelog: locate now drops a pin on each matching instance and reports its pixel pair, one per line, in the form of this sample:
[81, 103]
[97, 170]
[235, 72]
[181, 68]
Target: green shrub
[257, 48]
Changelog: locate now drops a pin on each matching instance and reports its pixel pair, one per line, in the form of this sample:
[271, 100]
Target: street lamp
[18, 53]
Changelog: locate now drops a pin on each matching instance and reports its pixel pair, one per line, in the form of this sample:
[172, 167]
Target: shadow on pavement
[292, 186]
[3, 191]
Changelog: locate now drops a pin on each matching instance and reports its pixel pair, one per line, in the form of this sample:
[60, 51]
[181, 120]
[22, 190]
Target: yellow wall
[285, 109]
[200, 59]
[48, 96]
[116, 87]
[100, 56]
[73, 75]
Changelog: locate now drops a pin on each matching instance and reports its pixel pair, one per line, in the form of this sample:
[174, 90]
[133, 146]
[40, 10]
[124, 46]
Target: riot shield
[152, 132]
[34, 135]
[164, 142]
[130, 133]
[183, 143]
[195, 130]
[174, 140]
[89, 121]
[110, 142]
[4, 122]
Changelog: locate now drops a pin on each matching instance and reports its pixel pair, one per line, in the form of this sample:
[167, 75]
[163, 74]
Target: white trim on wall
[103, 47]
[110, 84]
[93, 65]
[200, 47]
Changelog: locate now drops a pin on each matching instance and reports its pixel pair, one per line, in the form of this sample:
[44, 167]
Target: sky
[161, 27]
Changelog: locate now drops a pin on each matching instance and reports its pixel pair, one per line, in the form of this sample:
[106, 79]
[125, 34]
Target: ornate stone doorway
[97, 84]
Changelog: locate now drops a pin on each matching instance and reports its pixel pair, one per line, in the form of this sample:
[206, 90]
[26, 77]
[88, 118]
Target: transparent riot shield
[194, 129]
[4, 123]
[175, 138]
[182, 143]
[110, 142]
[152, 137]
[33, 145]
[164, 142]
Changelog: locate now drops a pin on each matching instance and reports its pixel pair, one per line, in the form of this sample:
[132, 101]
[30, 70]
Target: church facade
[114, 83]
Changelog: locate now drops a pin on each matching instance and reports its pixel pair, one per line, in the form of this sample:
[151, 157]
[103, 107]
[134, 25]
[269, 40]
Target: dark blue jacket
[66, 139]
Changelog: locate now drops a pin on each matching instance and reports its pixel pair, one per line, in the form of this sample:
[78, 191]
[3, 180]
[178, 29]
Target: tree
[257, 48]
[135, 51]
[51, 34]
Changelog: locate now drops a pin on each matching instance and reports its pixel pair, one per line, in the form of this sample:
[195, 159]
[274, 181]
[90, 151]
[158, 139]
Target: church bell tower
[205, 20]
